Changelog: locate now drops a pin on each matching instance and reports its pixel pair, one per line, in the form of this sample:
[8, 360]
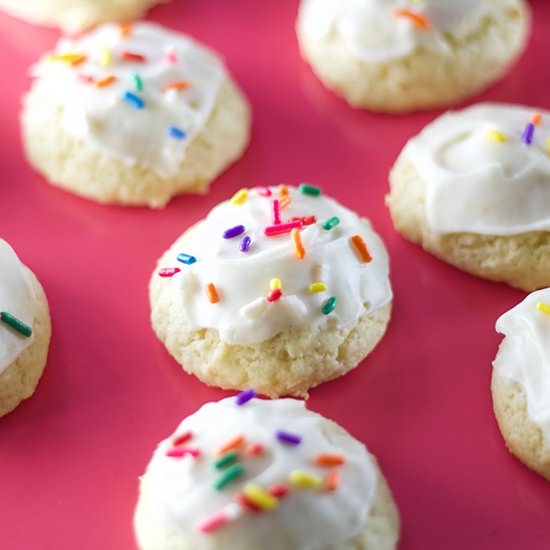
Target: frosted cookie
[263, 474]
[24, 330]
[405, 55]
[473, 188]
[279, 289]
[521, 381]
[76, 15]
[133, 115]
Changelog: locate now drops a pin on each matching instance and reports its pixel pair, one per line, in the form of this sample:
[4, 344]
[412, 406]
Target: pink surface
[70, 456]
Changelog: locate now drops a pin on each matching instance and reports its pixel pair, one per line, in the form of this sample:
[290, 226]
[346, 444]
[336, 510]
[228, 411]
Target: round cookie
[279, 289]
[76, 15]
[133, 115]
[25, 330]
[473, 188]
[263, 474]
[405, 55]
[521, 381]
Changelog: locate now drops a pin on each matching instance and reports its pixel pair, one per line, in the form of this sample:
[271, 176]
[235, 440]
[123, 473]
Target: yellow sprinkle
[70, 58]
[275, 284]
[496, 136]
[299, 478]
[105, 57]
[317, 287]
[240, 197]
[255, 494]
[548, 146]
[543, 308]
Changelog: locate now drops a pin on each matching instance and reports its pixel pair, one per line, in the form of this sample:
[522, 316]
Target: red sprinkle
[279, 490]
[306, 220]
[182, 451]
[183, 438]
[245, 503]
[274, 295]
[254, 449]
[132, 56]
[169, 271]
[273, 230]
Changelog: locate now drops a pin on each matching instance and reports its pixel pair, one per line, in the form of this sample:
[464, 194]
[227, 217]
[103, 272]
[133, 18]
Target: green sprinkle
[226, 460]
[329, 305]
[15, 323]
[138, 82]
[310, 190]
[232, 473]
[330, 223]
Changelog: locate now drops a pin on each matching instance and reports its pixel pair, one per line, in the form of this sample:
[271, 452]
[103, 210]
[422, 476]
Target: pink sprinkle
[178, 452]
[183, 438]
[213, 522]
[85, 79]
[171, 57]
[263, 191]
[276, 213]
[273, 230]
[169, 271]
[254, 449]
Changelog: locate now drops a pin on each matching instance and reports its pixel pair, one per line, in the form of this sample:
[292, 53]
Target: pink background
[70, 456]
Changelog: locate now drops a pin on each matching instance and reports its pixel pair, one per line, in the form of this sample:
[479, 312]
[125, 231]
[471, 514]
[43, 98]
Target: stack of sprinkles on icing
[146, 113]
[267, 471]
[278, 288]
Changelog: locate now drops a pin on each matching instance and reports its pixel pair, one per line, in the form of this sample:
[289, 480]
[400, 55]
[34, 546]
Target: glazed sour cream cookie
[133, 115]
[24, 330]
[263, 474]
[473, 188]
[76, 15]
[521, 381]
[279, 289]
[405, 55]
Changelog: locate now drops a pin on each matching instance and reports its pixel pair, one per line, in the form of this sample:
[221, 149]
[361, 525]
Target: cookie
[473, 188]
[76, 15]
[263, 474]
[521, 381]
[25, 330]
[279, 289]
[133, 115]
[401, 56]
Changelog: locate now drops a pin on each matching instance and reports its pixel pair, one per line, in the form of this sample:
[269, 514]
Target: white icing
[372, 32]
[101, 116]
[474, 184]
[524, 355]
[181, 491]
[243, 315]
[16, 298]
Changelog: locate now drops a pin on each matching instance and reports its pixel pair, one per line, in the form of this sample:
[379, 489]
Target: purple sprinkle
[528, 133]
[233, 232]
[245, 243]
[287, 437]
[245, 396]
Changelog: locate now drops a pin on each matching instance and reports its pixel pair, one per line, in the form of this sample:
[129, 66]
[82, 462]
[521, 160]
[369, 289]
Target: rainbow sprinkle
[73, 59]
[274, 230]
[233, 232]
[180, 452]
[536, 119]
[275, 283]
[317, 287]
[132, 56]
[328, 460]
[263, 191]
[213, 522]
[169, 271]
[138, 82]
[361, 248]
[179, 85]
[274, 295]
[288, 438]
[330, 305]
[226, 460]
[234, 443]
[305, 480]
[254, 449]
[306, 220]
[276, 212]
[528, 133]
[332, 480]
[310, 190]
[186, 259]
[246, 241]
[261, 498]
[496, 136]
[107, 81]
[176, 133]
[183, 438]
[419, 20]
[133, 100]
[297, 243]
[240, 197]
[543, 307]
[232, 473]
[212, 293]
[245, 396]
[16, 324]
[331, 223]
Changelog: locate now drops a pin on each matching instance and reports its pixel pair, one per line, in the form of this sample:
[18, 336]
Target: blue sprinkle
[176, 133]
[245, 243]
[133, 100]
[186, 259]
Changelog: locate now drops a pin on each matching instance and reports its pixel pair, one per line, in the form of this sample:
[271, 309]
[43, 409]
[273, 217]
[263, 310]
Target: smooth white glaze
[243, 315]
[16, 298]
[100, 114]
[181, 493]
[372, 32]
[524, 355]
[476, 184]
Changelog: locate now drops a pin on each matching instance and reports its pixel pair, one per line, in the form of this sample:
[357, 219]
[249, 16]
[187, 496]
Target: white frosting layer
[181, 490]
[524, 355]
[243, 315]
[372, 32]
[100, 114]
[16, 298]
[474, 183]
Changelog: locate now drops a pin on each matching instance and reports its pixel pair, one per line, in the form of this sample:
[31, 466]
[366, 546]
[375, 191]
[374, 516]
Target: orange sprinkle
[537, 119]
[234, 443]
[126, 29]
[283, 190]
[106, 81]
[284, 202]
[73, 59]
[421, 21]
[179, 85]
[361, 247]
[297, 242]
[212, 293]
[328, 460]
[332, 480]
